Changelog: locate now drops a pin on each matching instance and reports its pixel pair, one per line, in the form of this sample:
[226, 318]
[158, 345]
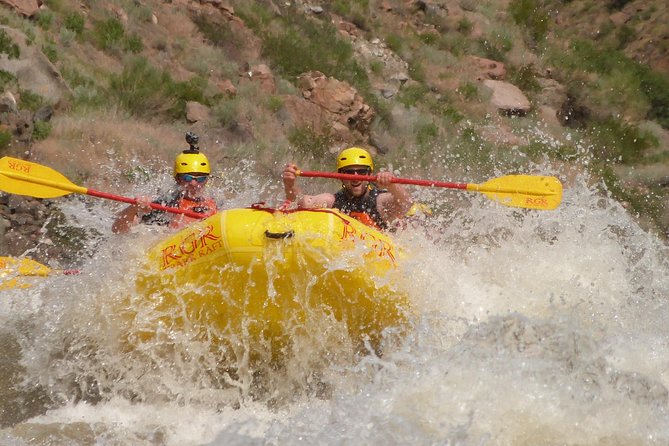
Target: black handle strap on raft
[279, 235]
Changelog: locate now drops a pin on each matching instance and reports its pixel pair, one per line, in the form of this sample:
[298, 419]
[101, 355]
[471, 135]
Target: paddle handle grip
[156, 206]
[345, 176]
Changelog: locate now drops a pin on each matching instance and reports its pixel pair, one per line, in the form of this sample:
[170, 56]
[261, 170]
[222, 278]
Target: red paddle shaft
[159, 207]
[345, 176]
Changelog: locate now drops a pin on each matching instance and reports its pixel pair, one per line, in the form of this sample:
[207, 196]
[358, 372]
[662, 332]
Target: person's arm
[325, 200]
[294, 192]
[130, 216]
[394, 203]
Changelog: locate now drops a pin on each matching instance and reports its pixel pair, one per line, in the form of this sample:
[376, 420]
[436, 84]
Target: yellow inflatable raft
[260, 276]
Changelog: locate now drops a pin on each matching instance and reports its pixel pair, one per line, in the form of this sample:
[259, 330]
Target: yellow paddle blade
[12, 270]
[522, 191]
[26, 178]
[23, 267]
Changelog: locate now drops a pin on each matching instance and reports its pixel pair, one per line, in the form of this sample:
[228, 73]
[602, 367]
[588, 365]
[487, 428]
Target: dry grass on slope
[106, 148]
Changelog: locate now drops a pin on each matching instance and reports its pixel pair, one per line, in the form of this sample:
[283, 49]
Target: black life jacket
[362, 208]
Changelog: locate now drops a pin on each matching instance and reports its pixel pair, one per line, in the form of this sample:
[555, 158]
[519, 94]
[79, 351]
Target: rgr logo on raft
[19, 166]
[381, 247]
[197, 244]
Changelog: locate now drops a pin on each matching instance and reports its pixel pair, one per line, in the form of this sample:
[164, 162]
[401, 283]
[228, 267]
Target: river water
[527, 328]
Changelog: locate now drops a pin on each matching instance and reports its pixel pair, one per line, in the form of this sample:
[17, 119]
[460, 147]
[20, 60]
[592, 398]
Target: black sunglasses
[358, 171]
[188, 178]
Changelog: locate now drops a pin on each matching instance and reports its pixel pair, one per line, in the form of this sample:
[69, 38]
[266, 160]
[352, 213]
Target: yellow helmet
[354, 156]
[191, 161]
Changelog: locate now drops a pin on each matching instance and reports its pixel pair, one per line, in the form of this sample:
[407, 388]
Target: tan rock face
[331, 106]
[507, 97]
[196, 112]
[26, 8]
[488, 69]
[262, 76]
[34, 71]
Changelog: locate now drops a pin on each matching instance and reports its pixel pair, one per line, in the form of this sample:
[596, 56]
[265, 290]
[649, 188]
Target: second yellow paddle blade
[13, 270]
[523, 191]
[26, 178]
[23, 266]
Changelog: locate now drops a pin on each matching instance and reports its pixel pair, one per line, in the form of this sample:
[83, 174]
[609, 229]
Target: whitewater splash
[528, 328]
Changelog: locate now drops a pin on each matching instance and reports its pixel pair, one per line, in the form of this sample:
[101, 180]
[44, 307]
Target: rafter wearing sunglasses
[358, 171]
[186, 177]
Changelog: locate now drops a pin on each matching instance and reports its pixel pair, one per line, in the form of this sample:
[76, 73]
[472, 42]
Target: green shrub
[29, 100]
[304, 46]
[656, 88]
[469, 91]
[226, 111]
[356, 12]
[306, 140]
[274, 103]
[474, 151]
[452, 114]
[360, 20]
[347, 7]
[142, 89]
[6, 79]
[624, 35]
[376, 66]
[429, 37]
[219, 35]
[294, 45]
[382, 108]
[66, 36]
[190, 90]
[30, 36]
[86, 91]
[465, 26]
[142, 12]
[595, 59]
[45, 19]
[134, 44]
[411, 94]
[109, 33]
[342, 7]
[5, 139]
[614, 5]
[50, 51]
[456, 44]
[618, 142]
[612, 63]
[416, 70]
[525, 78]
[494, 49]
[55, 5]
[145, 91]
[74, 22]
[531, 15]
[256, 15]
[640, 202]
[395, 42]
[8, 46]
[426, 133]
[41, 130]
[537, 150]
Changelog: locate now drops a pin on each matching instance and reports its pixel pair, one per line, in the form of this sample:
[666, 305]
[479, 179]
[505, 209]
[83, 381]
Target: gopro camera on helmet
[192, 140]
